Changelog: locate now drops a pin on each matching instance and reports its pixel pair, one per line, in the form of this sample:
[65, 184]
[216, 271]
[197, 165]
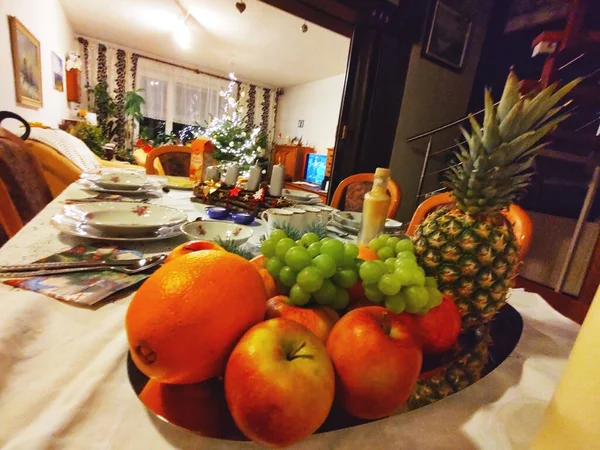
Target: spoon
[138, 266]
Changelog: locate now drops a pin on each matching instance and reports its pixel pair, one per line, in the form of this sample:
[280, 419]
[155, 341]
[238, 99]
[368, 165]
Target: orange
[270, 285]
[185, 319]
[192, 246]
[365, 253]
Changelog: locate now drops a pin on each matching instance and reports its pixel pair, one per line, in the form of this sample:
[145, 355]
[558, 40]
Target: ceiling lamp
[182, 34]
[241, 6]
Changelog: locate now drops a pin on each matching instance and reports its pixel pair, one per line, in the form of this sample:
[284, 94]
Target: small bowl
[210, 230]
[243, 218]
[217, 212]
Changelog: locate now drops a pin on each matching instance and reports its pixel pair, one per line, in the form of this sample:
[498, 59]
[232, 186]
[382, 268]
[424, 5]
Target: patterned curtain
[260, 104]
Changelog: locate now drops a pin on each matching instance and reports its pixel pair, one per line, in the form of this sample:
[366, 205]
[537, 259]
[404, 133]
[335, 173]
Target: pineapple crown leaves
[494, 168]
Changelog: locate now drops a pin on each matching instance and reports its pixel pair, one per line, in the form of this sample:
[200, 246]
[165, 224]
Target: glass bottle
[375, 208]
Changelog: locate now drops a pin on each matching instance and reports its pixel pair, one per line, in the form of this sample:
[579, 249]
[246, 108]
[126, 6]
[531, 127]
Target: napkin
[86, 288]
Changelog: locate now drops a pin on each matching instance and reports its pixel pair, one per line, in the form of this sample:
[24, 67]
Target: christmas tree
[230, 134]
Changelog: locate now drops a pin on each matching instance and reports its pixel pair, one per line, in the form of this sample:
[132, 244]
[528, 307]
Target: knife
[65, 265]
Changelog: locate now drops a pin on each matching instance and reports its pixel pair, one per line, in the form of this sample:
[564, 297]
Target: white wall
[46, 20]
[433, 96]
[318, 104]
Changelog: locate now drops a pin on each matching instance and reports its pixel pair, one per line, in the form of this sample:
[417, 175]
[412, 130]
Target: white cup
[299, 219]
[312, 214]
[276, 216]
[325, 212]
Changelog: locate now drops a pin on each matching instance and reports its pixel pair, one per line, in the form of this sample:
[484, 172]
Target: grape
[277, 235]
[370, 272]
[326, 294]
[299, 242]
[283, 246]
[288, 276]
[431, 282]
[403, 275]
[335, 249]
[389, 284]
[396, 303]
[435, 297]
[267, 248]
[407, 264]
[391, 263]
[345, 278]
[299, 296]
[384, 238]
[392, 242]
[384, 267]
[310, 279]
[309, 238]
[326, 264]
[359, 262]
[297, 258]
[405, 245]
[417, 298]
[384, 253]
[417, 277]
[373, 293]
[348, 263]
[406, 255]
[314, 249]
[351, 250]
[375, 244]
[341, 299]
[274, 266]
[325, 239]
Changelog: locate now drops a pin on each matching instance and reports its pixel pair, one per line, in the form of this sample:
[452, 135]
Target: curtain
[260, 106]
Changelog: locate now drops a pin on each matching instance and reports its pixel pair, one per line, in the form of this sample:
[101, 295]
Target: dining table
[64, 381]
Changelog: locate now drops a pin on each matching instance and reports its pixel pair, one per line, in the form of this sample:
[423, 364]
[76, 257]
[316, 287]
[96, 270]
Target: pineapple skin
[474, 258]
[460, 374]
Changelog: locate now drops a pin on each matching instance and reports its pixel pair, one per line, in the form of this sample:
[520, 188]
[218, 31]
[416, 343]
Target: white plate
[124, 181]
[351, 220]
[210, 230]
[90, 185]
[299, 195]
[70, 226]
[125, 218]
[182, 183]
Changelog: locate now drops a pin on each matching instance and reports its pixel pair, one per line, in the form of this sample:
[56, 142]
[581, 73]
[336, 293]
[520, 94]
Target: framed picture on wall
[447, 37]
[27, 66]
[57, 72]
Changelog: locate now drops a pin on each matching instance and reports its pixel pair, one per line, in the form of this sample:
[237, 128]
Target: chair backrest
[367, 180]
[23, 190]
[175, 160]
[516, 215]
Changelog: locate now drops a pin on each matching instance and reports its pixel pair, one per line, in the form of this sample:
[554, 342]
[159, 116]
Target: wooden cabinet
[293, 157]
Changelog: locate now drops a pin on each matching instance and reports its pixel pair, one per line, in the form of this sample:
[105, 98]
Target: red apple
[377, 361]
[279, 383]
[438, 330]
[318, 319]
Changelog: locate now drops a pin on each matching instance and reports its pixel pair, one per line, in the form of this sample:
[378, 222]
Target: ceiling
[264, 45]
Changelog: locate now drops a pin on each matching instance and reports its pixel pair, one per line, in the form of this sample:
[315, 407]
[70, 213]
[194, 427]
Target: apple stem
[295, 355]
[386, 323]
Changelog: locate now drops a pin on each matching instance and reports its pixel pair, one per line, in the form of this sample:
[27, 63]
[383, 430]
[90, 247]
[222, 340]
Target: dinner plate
[71, 226]
[296, 194]
[182, 183]
[351, 220]
[125, 217]
[123, 181]
[92, 186]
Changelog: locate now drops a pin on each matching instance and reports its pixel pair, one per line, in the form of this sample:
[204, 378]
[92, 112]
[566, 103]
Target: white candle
[254, 178]
[232, 175]
[212, 173]
[277, 175]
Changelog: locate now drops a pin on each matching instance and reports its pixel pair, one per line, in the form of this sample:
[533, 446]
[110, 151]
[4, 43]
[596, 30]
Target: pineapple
[470, 246]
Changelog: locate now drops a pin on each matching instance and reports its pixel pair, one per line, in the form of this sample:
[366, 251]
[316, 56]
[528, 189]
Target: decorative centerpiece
[236, 199]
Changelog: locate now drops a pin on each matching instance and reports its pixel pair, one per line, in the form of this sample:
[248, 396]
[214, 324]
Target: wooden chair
[23, 189]
[175, 160]
[516, 215]
[366, 179]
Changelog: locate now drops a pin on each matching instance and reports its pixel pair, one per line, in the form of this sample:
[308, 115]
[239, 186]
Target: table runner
[63, 378]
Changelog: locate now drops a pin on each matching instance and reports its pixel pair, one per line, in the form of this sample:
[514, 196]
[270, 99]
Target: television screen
[315, 168]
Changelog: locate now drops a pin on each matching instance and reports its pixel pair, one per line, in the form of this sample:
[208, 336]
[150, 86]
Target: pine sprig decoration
[494, 168]
[234, 248]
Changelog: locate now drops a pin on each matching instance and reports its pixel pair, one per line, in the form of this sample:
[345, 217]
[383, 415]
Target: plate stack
[120, 221]
[301, 197]
[120, 183]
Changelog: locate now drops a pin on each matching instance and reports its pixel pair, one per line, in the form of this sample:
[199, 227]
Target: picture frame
[447, 37]
[27, 65]
[58, 72]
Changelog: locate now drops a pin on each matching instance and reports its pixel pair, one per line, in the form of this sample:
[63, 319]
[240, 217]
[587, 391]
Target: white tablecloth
[63, 378]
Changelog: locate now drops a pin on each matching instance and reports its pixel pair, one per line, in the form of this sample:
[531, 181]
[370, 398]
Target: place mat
[86, 288]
